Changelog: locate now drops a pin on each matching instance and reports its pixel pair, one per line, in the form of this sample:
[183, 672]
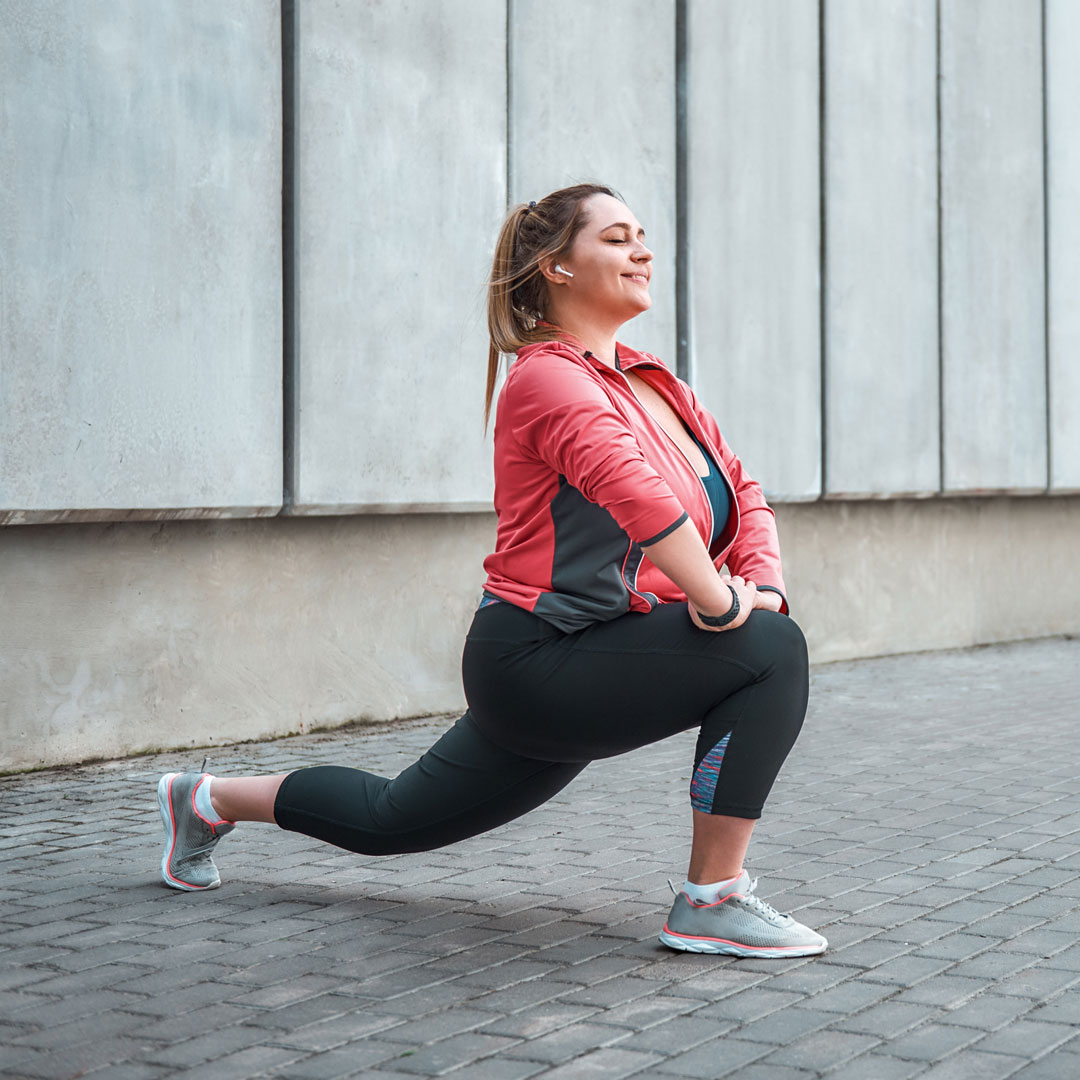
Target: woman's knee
[782, 642]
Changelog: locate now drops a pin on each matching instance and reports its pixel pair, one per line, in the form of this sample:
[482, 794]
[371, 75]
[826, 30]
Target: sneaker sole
[722, 947]
[165, 807]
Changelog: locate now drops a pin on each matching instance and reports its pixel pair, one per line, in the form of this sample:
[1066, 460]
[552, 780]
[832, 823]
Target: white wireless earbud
[560, 270]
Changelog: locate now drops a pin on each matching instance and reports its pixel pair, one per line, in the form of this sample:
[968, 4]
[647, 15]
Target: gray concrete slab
[1063, 238]
[876, 576]
[992, 246]
[401, 188]
[881, 221]
[928, 821]
[140, 260]
[125, 638]
[754, 218]
[131, 637]
[592, 98]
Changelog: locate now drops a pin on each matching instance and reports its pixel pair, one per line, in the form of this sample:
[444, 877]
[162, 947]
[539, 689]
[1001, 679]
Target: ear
[551, 275]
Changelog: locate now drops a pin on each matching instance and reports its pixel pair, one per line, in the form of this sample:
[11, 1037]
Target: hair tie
[531, 206]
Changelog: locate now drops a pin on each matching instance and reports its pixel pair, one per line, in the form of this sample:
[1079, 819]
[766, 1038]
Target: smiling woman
[605, 623]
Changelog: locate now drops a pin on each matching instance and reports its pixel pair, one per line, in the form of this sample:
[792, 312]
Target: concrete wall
[879, 235]
[900, 575]
[754, 219]
[124, 637]
[876, 221]
[136, 636]
[882, 407]
[1063, 240]
[600, 107]
[400, 190]
[140, 259]
[993, 357]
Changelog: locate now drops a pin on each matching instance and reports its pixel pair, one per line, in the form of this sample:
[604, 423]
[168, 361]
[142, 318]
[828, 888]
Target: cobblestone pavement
[928, 821]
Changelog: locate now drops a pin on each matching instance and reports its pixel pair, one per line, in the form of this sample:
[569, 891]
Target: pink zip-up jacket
[586, 480]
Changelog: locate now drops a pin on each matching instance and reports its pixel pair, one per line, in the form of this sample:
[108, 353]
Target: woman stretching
[604, 624]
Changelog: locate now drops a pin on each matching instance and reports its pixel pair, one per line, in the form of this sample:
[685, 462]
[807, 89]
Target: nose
[643, 254]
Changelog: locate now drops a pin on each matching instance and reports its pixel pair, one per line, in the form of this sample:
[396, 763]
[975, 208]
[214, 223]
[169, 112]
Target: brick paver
[928, 822]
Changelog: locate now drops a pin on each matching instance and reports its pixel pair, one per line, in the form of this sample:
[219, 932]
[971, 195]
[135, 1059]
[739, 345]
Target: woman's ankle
[246, 798]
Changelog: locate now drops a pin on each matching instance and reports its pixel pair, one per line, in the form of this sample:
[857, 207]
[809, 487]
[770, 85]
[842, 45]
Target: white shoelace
[760, 907]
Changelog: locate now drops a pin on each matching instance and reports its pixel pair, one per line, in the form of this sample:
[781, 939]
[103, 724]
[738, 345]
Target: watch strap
[729, 616]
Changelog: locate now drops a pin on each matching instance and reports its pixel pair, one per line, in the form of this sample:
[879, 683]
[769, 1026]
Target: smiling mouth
[642, 278]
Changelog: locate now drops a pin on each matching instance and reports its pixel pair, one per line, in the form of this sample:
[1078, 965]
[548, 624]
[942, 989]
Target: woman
[604, 624]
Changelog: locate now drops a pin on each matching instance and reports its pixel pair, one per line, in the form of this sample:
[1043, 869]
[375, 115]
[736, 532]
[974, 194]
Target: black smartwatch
[729, 616]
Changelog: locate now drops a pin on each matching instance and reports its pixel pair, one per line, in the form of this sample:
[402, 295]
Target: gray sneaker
[738, 924]
[189, 838]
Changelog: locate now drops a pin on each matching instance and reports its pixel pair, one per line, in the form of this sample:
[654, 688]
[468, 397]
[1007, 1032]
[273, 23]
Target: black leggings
[543, 704]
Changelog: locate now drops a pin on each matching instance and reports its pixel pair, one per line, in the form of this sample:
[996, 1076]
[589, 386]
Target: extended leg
[464, 785]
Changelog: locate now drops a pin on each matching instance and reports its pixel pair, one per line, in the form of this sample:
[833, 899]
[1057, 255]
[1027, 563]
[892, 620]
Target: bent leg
[618, 685]
[464, 785]
[622, 684]
[746, 738]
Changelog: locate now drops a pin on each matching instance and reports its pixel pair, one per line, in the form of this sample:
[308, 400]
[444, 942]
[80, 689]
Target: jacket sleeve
[559, 413]
[755, 554]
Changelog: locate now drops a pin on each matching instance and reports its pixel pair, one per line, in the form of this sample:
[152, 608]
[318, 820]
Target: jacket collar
[570, 347]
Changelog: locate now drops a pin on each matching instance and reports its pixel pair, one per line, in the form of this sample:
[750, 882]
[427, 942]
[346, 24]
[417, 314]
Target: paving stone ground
[928, 822]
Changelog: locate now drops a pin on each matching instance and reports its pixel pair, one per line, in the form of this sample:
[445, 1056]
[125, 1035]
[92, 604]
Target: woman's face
[610, 262]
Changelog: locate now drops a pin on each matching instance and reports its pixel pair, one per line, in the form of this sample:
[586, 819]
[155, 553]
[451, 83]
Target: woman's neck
[605, 353]
[594, 337]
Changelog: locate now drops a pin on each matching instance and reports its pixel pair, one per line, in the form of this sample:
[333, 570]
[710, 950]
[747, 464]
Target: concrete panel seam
[289, 352]
[823, 265]
[940, 256]
[509, 103]
[1046, 245]
[682, 202]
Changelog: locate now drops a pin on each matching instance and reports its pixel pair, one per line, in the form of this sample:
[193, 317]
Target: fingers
[768, 601]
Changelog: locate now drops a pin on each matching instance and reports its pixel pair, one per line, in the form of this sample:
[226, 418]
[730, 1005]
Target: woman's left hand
[770, 601]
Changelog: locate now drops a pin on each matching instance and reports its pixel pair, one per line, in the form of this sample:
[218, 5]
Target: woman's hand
[683, 557]
[748, 600]
[768, 600]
